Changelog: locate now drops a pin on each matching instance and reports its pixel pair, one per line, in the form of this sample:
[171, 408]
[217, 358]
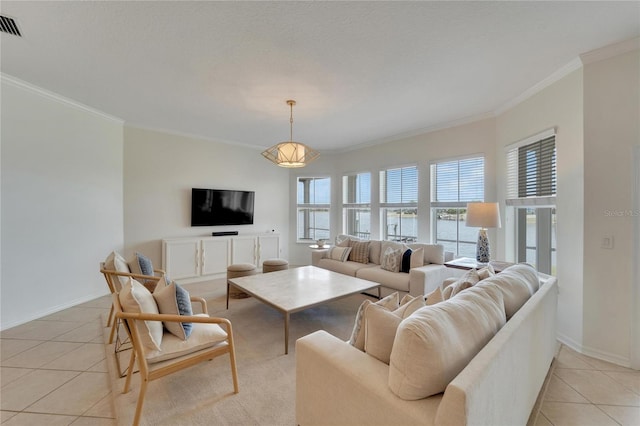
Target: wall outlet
[607, 242]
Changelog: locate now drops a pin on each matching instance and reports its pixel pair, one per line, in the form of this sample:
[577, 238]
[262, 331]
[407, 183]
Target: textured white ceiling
[360, 71]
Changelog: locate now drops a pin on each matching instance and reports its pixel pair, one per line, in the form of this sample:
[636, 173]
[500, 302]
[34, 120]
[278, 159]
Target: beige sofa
[420, 280]
[339, 384]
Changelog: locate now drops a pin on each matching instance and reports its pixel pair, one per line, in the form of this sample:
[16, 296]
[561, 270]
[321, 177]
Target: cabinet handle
[204, 258]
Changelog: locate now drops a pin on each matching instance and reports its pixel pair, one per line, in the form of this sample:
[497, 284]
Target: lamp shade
[483, 215]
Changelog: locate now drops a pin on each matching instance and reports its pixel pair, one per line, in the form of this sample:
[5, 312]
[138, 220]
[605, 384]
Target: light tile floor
[53, 372]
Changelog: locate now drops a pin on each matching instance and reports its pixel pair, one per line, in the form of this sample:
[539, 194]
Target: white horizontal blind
[456, 182]
[399, 187]
[356, 190]
[531, 173]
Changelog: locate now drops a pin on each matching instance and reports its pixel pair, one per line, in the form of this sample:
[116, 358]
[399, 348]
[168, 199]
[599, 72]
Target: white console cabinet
[195, 258]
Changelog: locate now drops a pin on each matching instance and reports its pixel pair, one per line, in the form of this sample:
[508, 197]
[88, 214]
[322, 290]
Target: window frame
[384, 205]
[350, 209]
[307, 207]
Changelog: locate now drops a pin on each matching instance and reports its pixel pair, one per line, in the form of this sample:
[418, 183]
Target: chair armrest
[160, 271]
[155, 278]
[424, 279]
[172, 318]
[202, 302]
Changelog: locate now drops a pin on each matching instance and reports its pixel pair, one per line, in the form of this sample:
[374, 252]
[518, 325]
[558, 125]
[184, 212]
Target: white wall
[611, 115]
[61, 201]
[560, 106]
[161, 168]
[463, 140]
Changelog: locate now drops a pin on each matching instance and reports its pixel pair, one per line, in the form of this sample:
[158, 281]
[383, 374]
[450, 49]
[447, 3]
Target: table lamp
[483, 216]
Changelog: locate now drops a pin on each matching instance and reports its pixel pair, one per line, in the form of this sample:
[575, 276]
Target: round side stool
[272, 265]
[235, 271]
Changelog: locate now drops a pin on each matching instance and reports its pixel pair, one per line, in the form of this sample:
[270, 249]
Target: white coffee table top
[295, 289]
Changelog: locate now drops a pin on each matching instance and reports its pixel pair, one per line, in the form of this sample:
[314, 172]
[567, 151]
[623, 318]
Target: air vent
[8, 25]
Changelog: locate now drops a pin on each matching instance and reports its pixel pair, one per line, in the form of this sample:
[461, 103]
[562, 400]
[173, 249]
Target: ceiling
[361, 72]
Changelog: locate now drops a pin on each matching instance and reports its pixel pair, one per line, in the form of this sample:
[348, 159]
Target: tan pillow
[417, 258]
[390, 302]
[339, 253]
[135, 298]
[381, 324]
[486, 272]
[434, 297]
[434, 344]
[469, 279]
[359, 251]
[173, 299]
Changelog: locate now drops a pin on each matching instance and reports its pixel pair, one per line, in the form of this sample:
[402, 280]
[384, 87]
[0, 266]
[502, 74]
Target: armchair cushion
[173, 299]
[135, 298]
[203, 335]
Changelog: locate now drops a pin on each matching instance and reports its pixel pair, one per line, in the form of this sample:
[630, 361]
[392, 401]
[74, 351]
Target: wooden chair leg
[110, 317]
[114, 326]
[129, 371]
[143, 391]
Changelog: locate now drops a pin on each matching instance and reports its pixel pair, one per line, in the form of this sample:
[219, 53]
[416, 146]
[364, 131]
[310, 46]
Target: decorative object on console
[483, 215]
[290, 154]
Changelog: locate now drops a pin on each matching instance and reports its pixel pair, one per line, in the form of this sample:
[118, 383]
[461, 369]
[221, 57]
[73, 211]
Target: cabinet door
[215, 255]
[244, 250]
[269, 247]
[181, 258]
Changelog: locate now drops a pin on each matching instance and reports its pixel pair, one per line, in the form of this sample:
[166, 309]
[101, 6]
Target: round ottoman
[235, 271]
[271, 265]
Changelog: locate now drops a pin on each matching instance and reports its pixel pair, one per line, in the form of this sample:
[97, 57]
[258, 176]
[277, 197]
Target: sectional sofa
[478, 358]
[424, 275]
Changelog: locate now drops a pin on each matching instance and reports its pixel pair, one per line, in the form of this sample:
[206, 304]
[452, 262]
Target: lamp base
[483, 252]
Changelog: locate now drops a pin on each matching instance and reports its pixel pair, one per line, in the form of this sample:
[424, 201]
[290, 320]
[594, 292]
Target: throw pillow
[515, 288]
[406, 261]
[417, 257]
[486, 272]
[389, 302]
[359, 251]
[434, 297]
[135, 298]
[391, 259]
[339, 253]
[173, 299]
[434, 344]
[115, 262]
[469, 279]
[381, 325]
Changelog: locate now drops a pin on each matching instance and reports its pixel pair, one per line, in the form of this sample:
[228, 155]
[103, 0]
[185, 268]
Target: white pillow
[339, 253]
[417, 258]
[434, 297]
[390, 260]
[390, 302]
[381, 324]
[115, 262]
[469, 279]
[435, 344]
[135, 298]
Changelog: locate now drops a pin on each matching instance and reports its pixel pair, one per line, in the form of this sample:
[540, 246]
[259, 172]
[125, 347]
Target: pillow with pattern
[359, 251]
[391, 259]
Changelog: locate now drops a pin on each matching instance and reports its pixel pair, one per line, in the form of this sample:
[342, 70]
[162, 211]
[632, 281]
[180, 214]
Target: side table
[470, 263]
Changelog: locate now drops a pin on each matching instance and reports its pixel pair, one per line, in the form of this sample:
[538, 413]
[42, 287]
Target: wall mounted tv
[214, 207]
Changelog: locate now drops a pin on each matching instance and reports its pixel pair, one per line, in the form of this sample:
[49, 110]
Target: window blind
[531, 173]
[456, 182]
[399, 186]
[356, 189]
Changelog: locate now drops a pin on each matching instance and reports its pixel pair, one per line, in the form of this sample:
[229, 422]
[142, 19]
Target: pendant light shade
[290, 154]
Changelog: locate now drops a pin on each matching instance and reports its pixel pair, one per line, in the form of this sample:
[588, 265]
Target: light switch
[607, 242]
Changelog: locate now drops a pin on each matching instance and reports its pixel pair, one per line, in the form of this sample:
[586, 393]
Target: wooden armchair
[175, 354]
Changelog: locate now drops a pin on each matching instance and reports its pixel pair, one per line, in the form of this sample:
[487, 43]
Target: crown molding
[572, 66]
[610, 51]
[21, 84]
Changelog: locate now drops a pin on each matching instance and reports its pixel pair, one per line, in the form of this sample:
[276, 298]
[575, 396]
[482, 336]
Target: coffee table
[297, 289]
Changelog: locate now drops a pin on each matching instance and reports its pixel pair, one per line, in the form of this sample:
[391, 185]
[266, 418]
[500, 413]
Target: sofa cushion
[347, 268]
[391, 303]
[435, 343]
[375, 248]
[514, 285]
[391, 258]
[339, 253]
[173, 299]
[135, 298]
[393, 280]
[359, 251]
[469, 279]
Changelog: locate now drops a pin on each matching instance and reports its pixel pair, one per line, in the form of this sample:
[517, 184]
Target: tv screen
[214, 207]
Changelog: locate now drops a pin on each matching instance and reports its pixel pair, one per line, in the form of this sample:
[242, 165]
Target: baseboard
[594, 353]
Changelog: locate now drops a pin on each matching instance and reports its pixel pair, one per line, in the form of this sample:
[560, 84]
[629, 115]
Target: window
[356, 205]
[531, 194]
[453, 184]
[399, 204]
[314, 203]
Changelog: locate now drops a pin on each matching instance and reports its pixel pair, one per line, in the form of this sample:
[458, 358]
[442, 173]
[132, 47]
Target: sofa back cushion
[433, 253]
[435, 343]
[517, 285]
[375, 251]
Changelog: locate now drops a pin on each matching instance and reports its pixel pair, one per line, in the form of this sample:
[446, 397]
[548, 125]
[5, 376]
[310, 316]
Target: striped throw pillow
[359, 251]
